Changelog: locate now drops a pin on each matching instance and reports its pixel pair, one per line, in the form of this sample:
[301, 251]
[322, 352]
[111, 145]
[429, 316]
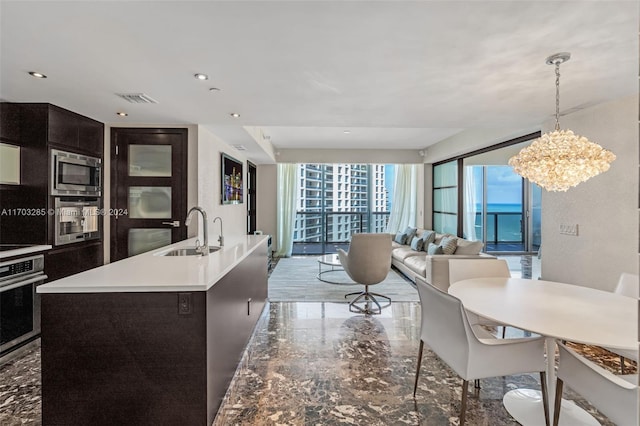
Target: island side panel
[123, 358]
[231, 319]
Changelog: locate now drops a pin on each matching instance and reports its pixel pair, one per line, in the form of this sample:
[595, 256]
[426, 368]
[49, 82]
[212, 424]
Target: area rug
[294, 279]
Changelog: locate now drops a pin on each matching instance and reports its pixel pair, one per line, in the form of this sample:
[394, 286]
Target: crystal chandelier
[561, 159]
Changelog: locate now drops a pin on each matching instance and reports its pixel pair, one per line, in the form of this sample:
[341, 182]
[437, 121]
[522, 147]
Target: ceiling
[394, 74]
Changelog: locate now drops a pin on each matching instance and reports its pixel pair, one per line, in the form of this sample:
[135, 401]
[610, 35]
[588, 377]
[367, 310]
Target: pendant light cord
[557, 95]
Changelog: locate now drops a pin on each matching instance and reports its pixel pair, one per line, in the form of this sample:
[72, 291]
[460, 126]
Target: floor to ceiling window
[491, 203]
[445, 197]
[336, 200]
[501, 210]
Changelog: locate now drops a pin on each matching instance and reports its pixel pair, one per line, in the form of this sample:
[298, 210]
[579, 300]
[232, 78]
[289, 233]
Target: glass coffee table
[333, 262]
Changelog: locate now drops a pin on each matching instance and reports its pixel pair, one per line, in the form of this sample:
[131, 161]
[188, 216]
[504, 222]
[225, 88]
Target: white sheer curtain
[286, 206]
[469, 223]
[404, 204]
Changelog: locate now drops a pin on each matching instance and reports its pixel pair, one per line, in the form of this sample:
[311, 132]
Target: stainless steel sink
[189, 251]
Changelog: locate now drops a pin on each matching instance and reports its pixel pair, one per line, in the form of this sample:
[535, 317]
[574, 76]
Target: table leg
[550, 351]
[525, 405]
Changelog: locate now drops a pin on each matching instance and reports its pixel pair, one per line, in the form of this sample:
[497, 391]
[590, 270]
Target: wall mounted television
[232, 180]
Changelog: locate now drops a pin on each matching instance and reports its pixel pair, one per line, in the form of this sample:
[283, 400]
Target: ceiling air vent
[239, 147]
[137, 98]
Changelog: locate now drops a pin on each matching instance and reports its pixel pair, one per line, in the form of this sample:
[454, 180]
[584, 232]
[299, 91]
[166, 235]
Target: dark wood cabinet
[63, 127]
[9, 122]
[91, 136]
[36, 128]
[63, 261]
[75, 132]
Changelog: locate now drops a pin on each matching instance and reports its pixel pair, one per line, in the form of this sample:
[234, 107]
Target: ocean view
[500, 208]
[509, 225]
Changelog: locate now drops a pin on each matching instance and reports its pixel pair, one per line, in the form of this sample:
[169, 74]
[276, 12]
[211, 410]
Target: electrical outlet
[569, 229]
[184, 304]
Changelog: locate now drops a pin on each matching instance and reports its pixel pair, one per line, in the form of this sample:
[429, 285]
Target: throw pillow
[467, 247]
[427, 238]
[434, 249]
[410, 233]
[401, 238]
[449, 245]
[416, 244]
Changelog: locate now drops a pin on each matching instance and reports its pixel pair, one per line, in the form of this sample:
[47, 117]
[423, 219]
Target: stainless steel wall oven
[19, 302]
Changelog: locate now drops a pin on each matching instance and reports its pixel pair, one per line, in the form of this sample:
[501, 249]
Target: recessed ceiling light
[235, 115]
[346, 132]
[214, 89]
[201, 76]
[37, 74]
[122, 114]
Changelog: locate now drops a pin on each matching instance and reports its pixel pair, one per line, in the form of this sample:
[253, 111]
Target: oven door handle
[35, 279]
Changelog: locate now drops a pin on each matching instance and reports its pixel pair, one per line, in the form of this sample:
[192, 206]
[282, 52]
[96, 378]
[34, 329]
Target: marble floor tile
[20, 389]
[318, 364]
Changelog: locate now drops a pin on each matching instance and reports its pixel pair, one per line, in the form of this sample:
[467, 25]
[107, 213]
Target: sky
[503, 185]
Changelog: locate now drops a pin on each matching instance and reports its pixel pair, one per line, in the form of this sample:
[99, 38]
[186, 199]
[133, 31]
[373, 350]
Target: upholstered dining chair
[367, 262]
[628, 285]
[614, 396]
[471, 352]
[464, 269]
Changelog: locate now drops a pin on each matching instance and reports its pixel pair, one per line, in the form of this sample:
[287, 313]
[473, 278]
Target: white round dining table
[556, 311]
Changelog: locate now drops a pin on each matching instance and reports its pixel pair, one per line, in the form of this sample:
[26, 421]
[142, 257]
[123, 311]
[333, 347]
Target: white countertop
[23, 250]
[152, 272]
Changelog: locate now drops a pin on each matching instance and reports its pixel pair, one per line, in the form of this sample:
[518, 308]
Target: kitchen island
[152, 339]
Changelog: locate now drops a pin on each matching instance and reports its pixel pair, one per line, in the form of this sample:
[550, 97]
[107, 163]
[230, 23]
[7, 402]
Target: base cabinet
[79, 257]
[161, 358]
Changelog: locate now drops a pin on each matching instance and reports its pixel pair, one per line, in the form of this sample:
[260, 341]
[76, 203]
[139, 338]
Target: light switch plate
[569, 229]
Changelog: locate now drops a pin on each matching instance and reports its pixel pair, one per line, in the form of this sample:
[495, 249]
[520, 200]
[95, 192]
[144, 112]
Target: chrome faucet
[202, 249]
[221, 238]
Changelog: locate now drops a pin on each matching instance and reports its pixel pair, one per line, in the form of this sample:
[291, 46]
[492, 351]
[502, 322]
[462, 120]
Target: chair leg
[476, 383]
[558, 402]
[621, 364]
[352, 294]
[381, 295]
[463, 404]
[415, 386]
[368, 297]
[545, 397]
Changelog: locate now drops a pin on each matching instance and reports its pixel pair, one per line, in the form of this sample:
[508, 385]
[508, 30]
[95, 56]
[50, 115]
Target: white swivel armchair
[472, 352]
[627, 286]
[368, 262]
[614, 396]
[464, 269]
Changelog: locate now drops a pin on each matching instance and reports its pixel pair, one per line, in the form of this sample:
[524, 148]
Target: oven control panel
[22, 266]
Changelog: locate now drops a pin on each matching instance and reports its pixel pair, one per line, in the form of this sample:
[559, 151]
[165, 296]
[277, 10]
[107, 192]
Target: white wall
[605, 207]
[471, 140]
[360, 156]
[234, 216]
[267, 220]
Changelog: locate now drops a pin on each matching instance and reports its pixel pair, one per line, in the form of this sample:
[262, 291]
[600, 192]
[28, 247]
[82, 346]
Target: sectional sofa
[434, 268]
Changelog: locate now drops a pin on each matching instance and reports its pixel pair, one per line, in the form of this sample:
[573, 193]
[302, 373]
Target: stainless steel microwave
[76, 220]
[75, 174]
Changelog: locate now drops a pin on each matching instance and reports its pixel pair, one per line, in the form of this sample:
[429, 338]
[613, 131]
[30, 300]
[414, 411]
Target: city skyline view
[335, 200]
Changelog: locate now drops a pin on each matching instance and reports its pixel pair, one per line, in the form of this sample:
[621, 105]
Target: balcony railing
[504, 231]
[338, 228]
